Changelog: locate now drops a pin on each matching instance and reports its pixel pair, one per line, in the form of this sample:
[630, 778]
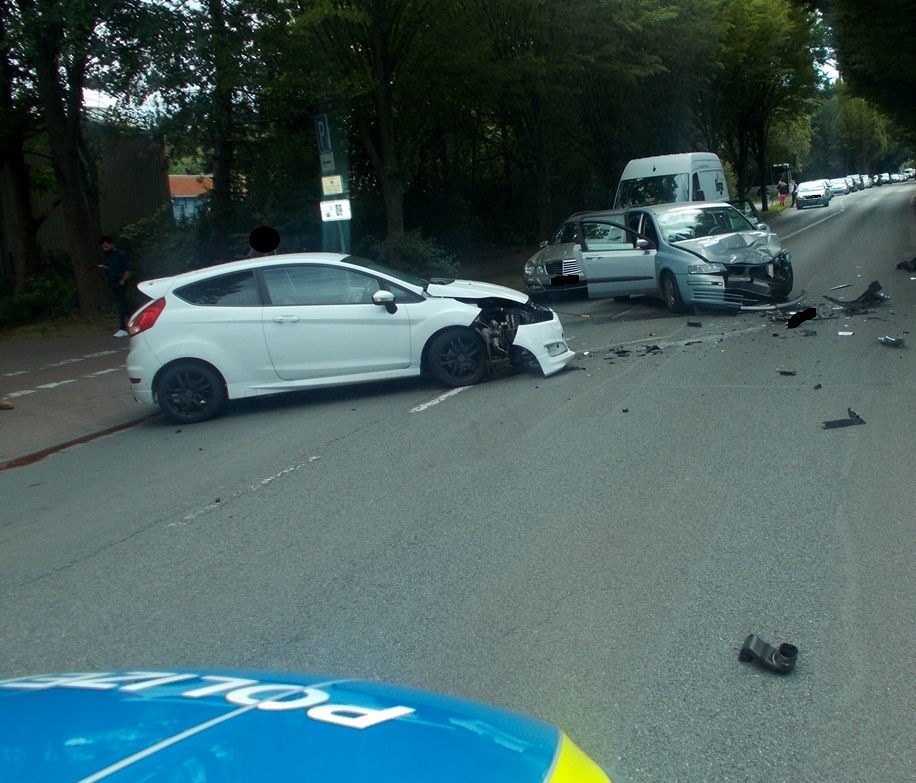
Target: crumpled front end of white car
[524, 334]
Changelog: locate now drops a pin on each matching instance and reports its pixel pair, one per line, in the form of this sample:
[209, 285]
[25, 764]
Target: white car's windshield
[694, 222]
[378, 266]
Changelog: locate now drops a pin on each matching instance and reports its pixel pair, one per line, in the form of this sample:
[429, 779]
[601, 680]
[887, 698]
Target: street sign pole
[335, 204]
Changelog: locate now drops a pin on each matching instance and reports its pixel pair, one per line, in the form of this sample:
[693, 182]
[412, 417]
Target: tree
[874, 46]
[769, 51]
[369, 53]
[60, 47]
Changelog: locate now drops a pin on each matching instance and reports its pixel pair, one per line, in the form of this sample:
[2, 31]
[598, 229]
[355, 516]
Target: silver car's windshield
[694, 222]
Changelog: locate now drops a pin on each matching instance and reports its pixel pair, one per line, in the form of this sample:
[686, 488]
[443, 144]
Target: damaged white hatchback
[280, 323]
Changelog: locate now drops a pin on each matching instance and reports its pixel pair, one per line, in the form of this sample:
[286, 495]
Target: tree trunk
[223, 145]
[62, 108]
[26, 253]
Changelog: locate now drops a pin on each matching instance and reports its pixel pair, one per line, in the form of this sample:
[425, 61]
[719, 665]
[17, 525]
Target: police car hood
[257, 726]
[745, 247]
[473, 289]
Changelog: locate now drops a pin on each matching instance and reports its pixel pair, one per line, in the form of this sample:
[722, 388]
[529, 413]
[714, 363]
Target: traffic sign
[335, 210]
[323, 131]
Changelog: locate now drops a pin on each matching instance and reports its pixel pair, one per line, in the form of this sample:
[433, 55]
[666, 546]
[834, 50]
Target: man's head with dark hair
[106, 239]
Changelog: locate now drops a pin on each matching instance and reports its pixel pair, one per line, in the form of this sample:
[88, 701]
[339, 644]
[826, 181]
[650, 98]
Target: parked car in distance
[280, 323]
[839, 186]
[812, 194]
[230, 726]
[705, 254]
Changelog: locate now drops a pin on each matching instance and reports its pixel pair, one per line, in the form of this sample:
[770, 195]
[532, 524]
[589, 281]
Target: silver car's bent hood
[474, 289]
[746, 247]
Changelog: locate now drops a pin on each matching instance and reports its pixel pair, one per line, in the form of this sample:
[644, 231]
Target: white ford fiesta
[279, 323]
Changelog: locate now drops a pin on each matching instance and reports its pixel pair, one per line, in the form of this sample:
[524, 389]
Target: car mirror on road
[385, 299]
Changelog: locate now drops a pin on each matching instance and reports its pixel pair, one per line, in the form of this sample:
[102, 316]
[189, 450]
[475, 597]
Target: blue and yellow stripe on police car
[573, 766]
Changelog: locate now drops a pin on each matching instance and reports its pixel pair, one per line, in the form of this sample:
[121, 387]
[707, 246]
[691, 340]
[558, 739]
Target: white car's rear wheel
[189, 392]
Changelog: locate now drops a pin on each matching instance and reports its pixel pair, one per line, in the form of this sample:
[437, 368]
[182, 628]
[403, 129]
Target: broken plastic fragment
[893, 342]
[871, 297]
[843, 285]
[854, 418]
[845, 334]
[788, 372]
[818, 386]
[694, 323]
[780, 660]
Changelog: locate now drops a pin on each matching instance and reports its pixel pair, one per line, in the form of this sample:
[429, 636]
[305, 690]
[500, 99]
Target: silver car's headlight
[705, 269]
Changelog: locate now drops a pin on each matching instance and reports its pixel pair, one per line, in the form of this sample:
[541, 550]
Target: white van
[664, 179]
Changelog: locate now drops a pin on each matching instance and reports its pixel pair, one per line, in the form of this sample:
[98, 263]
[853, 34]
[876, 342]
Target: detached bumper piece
[777, 659]
[871, 297]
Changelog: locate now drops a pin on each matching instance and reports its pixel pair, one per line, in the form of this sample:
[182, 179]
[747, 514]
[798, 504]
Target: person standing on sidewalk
[117, 272]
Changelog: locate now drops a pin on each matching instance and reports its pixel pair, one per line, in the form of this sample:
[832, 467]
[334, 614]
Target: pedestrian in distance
[117, 271]
[783, 190]
[794, 192]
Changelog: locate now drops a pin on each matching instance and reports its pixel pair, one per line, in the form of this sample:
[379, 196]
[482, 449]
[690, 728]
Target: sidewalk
[63, 389]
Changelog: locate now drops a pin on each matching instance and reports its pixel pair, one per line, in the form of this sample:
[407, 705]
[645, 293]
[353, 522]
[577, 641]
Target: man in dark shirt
[117, 272]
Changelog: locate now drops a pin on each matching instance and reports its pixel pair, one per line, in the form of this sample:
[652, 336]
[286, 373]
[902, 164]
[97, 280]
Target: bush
[157, 247]
[42, 297]
[424, 257]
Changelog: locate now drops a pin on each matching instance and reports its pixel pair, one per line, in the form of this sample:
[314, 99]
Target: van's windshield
[660, 189]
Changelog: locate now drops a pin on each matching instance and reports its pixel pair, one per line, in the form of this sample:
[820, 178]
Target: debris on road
[909, 266]
[809, 332]
[854, 418]
[871, 297]
[796, 319]
[780, 660]
[788, 372]
[818, 386]
[845, 334]
[842, 285]
[694, 323]
[892, 342]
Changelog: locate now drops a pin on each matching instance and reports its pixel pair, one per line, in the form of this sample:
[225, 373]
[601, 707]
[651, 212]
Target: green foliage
[157, 247]
[49, 296]
[422, 256]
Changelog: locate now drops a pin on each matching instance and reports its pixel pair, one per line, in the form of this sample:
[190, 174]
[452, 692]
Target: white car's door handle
[286, 318]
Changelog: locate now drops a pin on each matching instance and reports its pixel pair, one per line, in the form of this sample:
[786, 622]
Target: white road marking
[11, 374]
[238, 493]
[20, 393]
[438, 399]
[837, 211]
[55, 384]
[78, 359]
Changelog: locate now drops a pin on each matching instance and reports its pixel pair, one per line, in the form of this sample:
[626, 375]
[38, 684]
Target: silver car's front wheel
[671, 293]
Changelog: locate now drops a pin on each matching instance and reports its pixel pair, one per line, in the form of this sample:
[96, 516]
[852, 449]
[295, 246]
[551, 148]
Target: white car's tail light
[146, 318]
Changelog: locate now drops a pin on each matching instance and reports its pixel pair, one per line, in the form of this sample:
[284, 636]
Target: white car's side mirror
[385, 299]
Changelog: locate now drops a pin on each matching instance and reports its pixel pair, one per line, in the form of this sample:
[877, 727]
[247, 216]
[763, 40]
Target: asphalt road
[590, 548]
